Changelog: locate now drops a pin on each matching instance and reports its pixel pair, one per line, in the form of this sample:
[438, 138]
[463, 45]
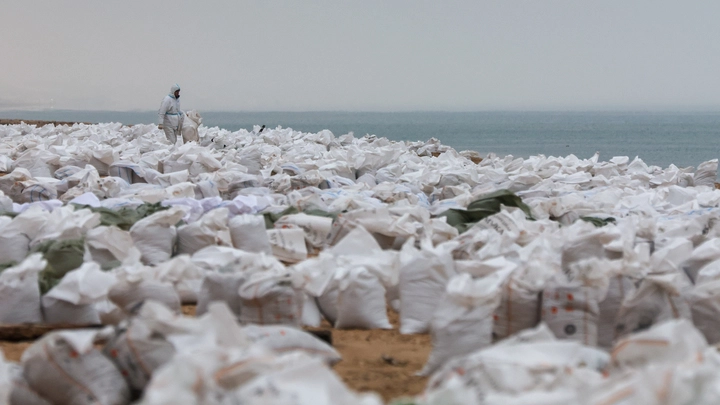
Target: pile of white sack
[158, 357]
[671, 363]
[287, 228]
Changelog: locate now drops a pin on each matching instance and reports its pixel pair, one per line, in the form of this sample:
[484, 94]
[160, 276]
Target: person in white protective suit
[170, 116]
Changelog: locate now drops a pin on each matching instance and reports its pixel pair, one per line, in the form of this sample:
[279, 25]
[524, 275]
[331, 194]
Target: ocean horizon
[662, 138]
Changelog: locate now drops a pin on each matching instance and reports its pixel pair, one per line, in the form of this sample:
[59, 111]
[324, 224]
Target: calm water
[660, 138]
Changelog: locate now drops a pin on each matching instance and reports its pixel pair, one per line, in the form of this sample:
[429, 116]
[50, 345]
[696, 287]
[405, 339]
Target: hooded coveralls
[170, 115]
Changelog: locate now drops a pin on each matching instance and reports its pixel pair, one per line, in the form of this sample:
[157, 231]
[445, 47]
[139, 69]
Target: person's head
[175, 90]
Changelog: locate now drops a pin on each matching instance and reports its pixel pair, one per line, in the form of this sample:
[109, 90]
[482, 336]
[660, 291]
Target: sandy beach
[383, 361]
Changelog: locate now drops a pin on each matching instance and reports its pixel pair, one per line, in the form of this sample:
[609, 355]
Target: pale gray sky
[370, 55]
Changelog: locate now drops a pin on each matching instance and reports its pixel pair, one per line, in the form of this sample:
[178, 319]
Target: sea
[658, 138]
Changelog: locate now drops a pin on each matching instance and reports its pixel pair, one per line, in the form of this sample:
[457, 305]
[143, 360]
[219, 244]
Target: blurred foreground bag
[704, 301]
[670, 342]
[137, 350]
[658, 298]
[532, 361]
[284, 339]
[20, 392]
[65, 368]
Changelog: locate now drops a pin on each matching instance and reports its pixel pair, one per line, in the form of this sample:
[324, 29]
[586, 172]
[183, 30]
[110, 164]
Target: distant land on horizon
[696, 109]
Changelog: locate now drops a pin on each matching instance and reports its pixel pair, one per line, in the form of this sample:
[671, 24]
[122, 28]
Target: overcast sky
[389, 55]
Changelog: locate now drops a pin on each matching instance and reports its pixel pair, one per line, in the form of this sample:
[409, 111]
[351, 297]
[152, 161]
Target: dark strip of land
[38, 123]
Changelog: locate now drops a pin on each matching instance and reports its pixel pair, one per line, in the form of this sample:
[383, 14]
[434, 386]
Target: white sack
[704, 302]
[441, 231]
[216, 257]
[658, 298]
[423, 276]
[62, 312]
[284, 339]
[128, 171]
[709, 272]
[155, 235]
[519, 306]
[300, 380]
[39, 162]
[210, 229]
[360, 300]
[311, 315]
[66, 223]
[288, 245]
[101, 159]
[539, 366]
[327, 302]
[222, 285]
[463, 321]
[185, 276]
[584, 247]
[20, 291]
[15, 235]
[110, 314]
[620, 287]
[6, 380]
[68, 359]
[316, 228]
[570, 302]
[248, 233]
[129, 294]
[72, 300]
[137, 350]
[271, 298]
[107, 244]
[669, 257]
[12, 184]
[174, 382]
[706, 173]
[190, 126]
[39, 192]
[701, 256]
[20, 392]
[540, 333]
[571, 313]
[668, 343]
